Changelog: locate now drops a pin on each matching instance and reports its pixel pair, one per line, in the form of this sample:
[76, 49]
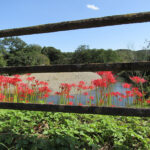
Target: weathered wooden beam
[141, 66]
[115, 111]
[78, 24]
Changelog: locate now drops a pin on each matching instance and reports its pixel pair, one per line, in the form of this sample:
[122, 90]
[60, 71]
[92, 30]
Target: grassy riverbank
[24, 130]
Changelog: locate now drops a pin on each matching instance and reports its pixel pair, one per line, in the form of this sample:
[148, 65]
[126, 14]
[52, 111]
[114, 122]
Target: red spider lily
[99, 83]
[82, 83]
[57, 93]
[135, 89]
[91, 97]
[101, 101]
[80, 104]
[2, 78]
[37, 82]
[33, 85]
[73, 85]
[13, 81]
[44, 89]
[24, 95]
[16, 75]
[120, 99]
[2, 97]
[108, 76]
[46, 95]
[130, 93]
[41, 90]
[65, 86]
[85, 87]
[30, 91]
[65, 89]
[126, 85]
[100, 73]
[43, 83]
[70, 96]
[50, 102]
[114, 94]
[85, 93]
[108, 94]
[140, 99]
[80, 86]
[138, 79]
[138, 93]
[28, 74]
[23, 85]
[91, 87]
[123, 96]
[40, 97]
[30, 78]
[70, 103]
[5, 85]
[148, 101]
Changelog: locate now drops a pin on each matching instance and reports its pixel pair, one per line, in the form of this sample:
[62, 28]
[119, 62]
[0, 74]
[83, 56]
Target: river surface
[116, 87]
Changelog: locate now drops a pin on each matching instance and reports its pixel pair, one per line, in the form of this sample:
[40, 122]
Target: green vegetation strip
[24, 130]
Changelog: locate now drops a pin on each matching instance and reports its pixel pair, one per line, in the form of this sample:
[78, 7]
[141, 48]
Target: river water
[116, 87]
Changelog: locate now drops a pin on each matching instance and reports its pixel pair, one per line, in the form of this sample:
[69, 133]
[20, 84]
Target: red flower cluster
[126, 85]
[13, 89]
[31, 90]
[138, 79]
[108, 76]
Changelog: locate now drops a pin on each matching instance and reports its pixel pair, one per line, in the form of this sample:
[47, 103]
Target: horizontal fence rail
[115, 111]
[136, 66]
[79, 24]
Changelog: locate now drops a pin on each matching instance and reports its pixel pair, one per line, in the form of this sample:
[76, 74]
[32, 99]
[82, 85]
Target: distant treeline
[15, 52]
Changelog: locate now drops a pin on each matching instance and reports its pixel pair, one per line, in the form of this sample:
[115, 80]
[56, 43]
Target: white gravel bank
[55, 79]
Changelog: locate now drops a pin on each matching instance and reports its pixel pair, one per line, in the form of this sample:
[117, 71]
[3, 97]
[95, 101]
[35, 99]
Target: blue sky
[21, 13]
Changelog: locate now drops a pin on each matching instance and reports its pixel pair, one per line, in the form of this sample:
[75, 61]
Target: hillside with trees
[15, 52]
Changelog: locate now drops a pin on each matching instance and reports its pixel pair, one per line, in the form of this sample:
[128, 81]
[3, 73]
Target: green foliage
[133, 56]
[84, 54]
[13, 44]
[111, 56]
[81, 55]
[17, 53]
[2, 61]
[66, 57]
[42, 60]
[54, 55]
[126, 55]
[42, 130]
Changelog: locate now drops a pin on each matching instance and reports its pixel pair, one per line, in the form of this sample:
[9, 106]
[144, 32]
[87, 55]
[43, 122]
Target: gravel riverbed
[55, 79]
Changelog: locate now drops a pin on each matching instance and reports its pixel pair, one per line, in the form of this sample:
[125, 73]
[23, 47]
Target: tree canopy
[15, 52]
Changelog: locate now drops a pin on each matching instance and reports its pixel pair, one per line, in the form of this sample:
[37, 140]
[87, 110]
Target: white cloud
[93, 7]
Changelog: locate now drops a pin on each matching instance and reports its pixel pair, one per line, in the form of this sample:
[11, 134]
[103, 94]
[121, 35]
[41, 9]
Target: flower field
[30, 90]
